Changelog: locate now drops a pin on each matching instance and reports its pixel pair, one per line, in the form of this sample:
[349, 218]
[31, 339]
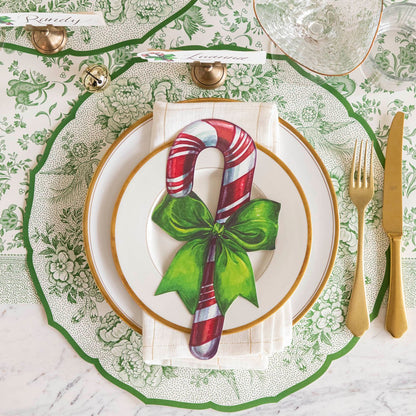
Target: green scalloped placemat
[73, 303]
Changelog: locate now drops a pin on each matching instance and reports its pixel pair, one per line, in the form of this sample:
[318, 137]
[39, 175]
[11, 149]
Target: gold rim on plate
[127, 132]
[336, 217]
[107, 296]
[156, 316]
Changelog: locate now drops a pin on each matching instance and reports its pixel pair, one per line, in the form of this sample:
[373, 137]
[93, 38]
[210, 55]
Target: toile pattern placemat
[53, 233]
[39, 91]
[40, 96]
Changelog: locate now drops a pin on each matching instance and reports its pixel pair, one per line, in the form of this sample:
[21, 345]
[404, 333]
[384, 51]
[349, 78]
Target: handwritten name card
[206, 56]
[55, 19]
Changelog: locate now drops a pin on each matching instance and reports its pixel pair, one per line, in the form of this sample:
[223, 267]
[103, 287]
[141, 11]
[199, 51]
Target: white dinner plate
[133, 145]
[143, 251]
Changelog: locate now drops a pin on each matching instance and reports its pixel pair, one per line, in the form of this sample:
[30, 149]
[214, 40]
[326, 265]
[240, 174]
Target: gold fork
[361, 189]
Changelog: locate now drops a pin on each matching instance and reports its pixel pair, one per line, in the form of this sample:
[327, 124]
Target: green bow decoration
[252, 227]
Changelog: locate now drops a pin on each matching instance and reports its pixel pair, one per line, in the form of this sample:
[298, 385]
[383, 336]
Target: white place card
[206, 56]
[54, 19]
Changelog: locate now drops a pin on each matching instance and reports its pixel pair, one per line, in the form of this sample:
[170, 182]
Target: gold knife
[396, 322]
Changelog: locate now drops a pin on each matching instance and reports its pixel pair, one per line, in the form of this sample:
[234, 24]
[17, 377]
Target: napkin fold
[247, 349]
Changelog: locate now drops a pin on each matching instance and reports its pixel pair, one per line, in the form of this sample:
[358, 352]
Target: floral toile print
[132, 22]
[125, 346]
[143, 11]
[129, 19]
[312, 124]
[127, 100]
[319, 333]
[39, 93]
[123, 103]
[397, 57]
[80, 164]
[10, 222]
[69, 276]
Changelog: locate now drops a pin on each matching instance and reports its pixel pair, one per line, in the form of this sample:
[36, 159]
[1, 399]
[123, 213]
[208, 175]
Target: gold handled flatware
[361, 189]
[396, 322]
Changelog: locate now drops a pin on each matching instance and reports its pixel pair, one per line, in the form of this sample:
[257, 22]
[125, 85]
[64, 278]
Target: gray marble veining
[41, 374]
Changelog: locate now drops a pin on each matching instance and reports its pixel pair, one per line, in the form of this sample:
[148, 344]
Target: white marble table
[41, 374]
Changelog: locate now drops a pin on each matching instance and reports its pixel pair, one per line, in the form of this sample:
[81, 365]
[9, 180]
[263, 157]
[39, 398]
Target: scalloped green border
[104, 49]
[95, 361]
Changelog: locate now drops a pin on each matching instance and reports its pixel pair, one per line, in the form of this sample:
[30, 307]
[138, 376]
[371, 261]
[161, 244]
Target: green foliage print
[343, 84]
[39, 137]
[398, 58]
[79, 167]
[67, 268]
[203, 376]
[62, 62]
[7, 127]
[11, 222]
[409, 162]
[311, 121]
[6, 20]
[126, 348]
[30, 88]
[367, 107]
[126, 100]
[218, 7]
[143, 11]
[191, 22]
[409, 155]
[10, 165]
[114, 60]
[409, 226]
[399, 105]
[123, 102]
[251, 83]
[319, 326]
[247, 82]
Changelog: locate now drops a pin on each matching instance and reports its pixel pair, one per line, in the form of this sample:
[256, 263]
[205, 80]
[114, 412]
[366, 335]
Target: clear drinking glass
[328, 37]
[391, 64]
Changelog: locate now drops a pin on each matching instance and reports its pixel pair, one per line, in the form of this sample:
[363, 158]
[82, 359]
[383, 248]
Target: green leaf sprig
[252, 227]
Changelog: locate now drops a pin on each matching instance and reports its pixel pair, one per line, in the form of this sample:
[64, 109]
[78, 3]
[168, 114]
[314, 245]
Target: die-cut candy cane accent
[212, 269]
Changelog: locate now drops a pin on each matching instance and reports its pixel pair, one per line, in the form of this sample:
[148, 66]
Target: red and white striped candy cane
[239, 153]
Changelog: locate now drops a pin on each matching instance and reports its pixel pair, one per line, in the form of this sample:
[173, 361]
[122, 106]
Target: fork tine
[360, 166]
[361, 192]
[366, 174]
[352, 172]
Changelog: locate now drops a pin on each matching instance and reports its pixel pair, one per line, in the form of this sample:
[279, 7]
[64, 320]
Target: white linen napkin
[248, 349]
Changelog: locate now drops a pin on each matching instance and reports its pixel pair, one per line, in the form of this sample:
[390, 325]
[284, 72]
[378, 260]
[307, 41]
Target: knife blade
[396, 322]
